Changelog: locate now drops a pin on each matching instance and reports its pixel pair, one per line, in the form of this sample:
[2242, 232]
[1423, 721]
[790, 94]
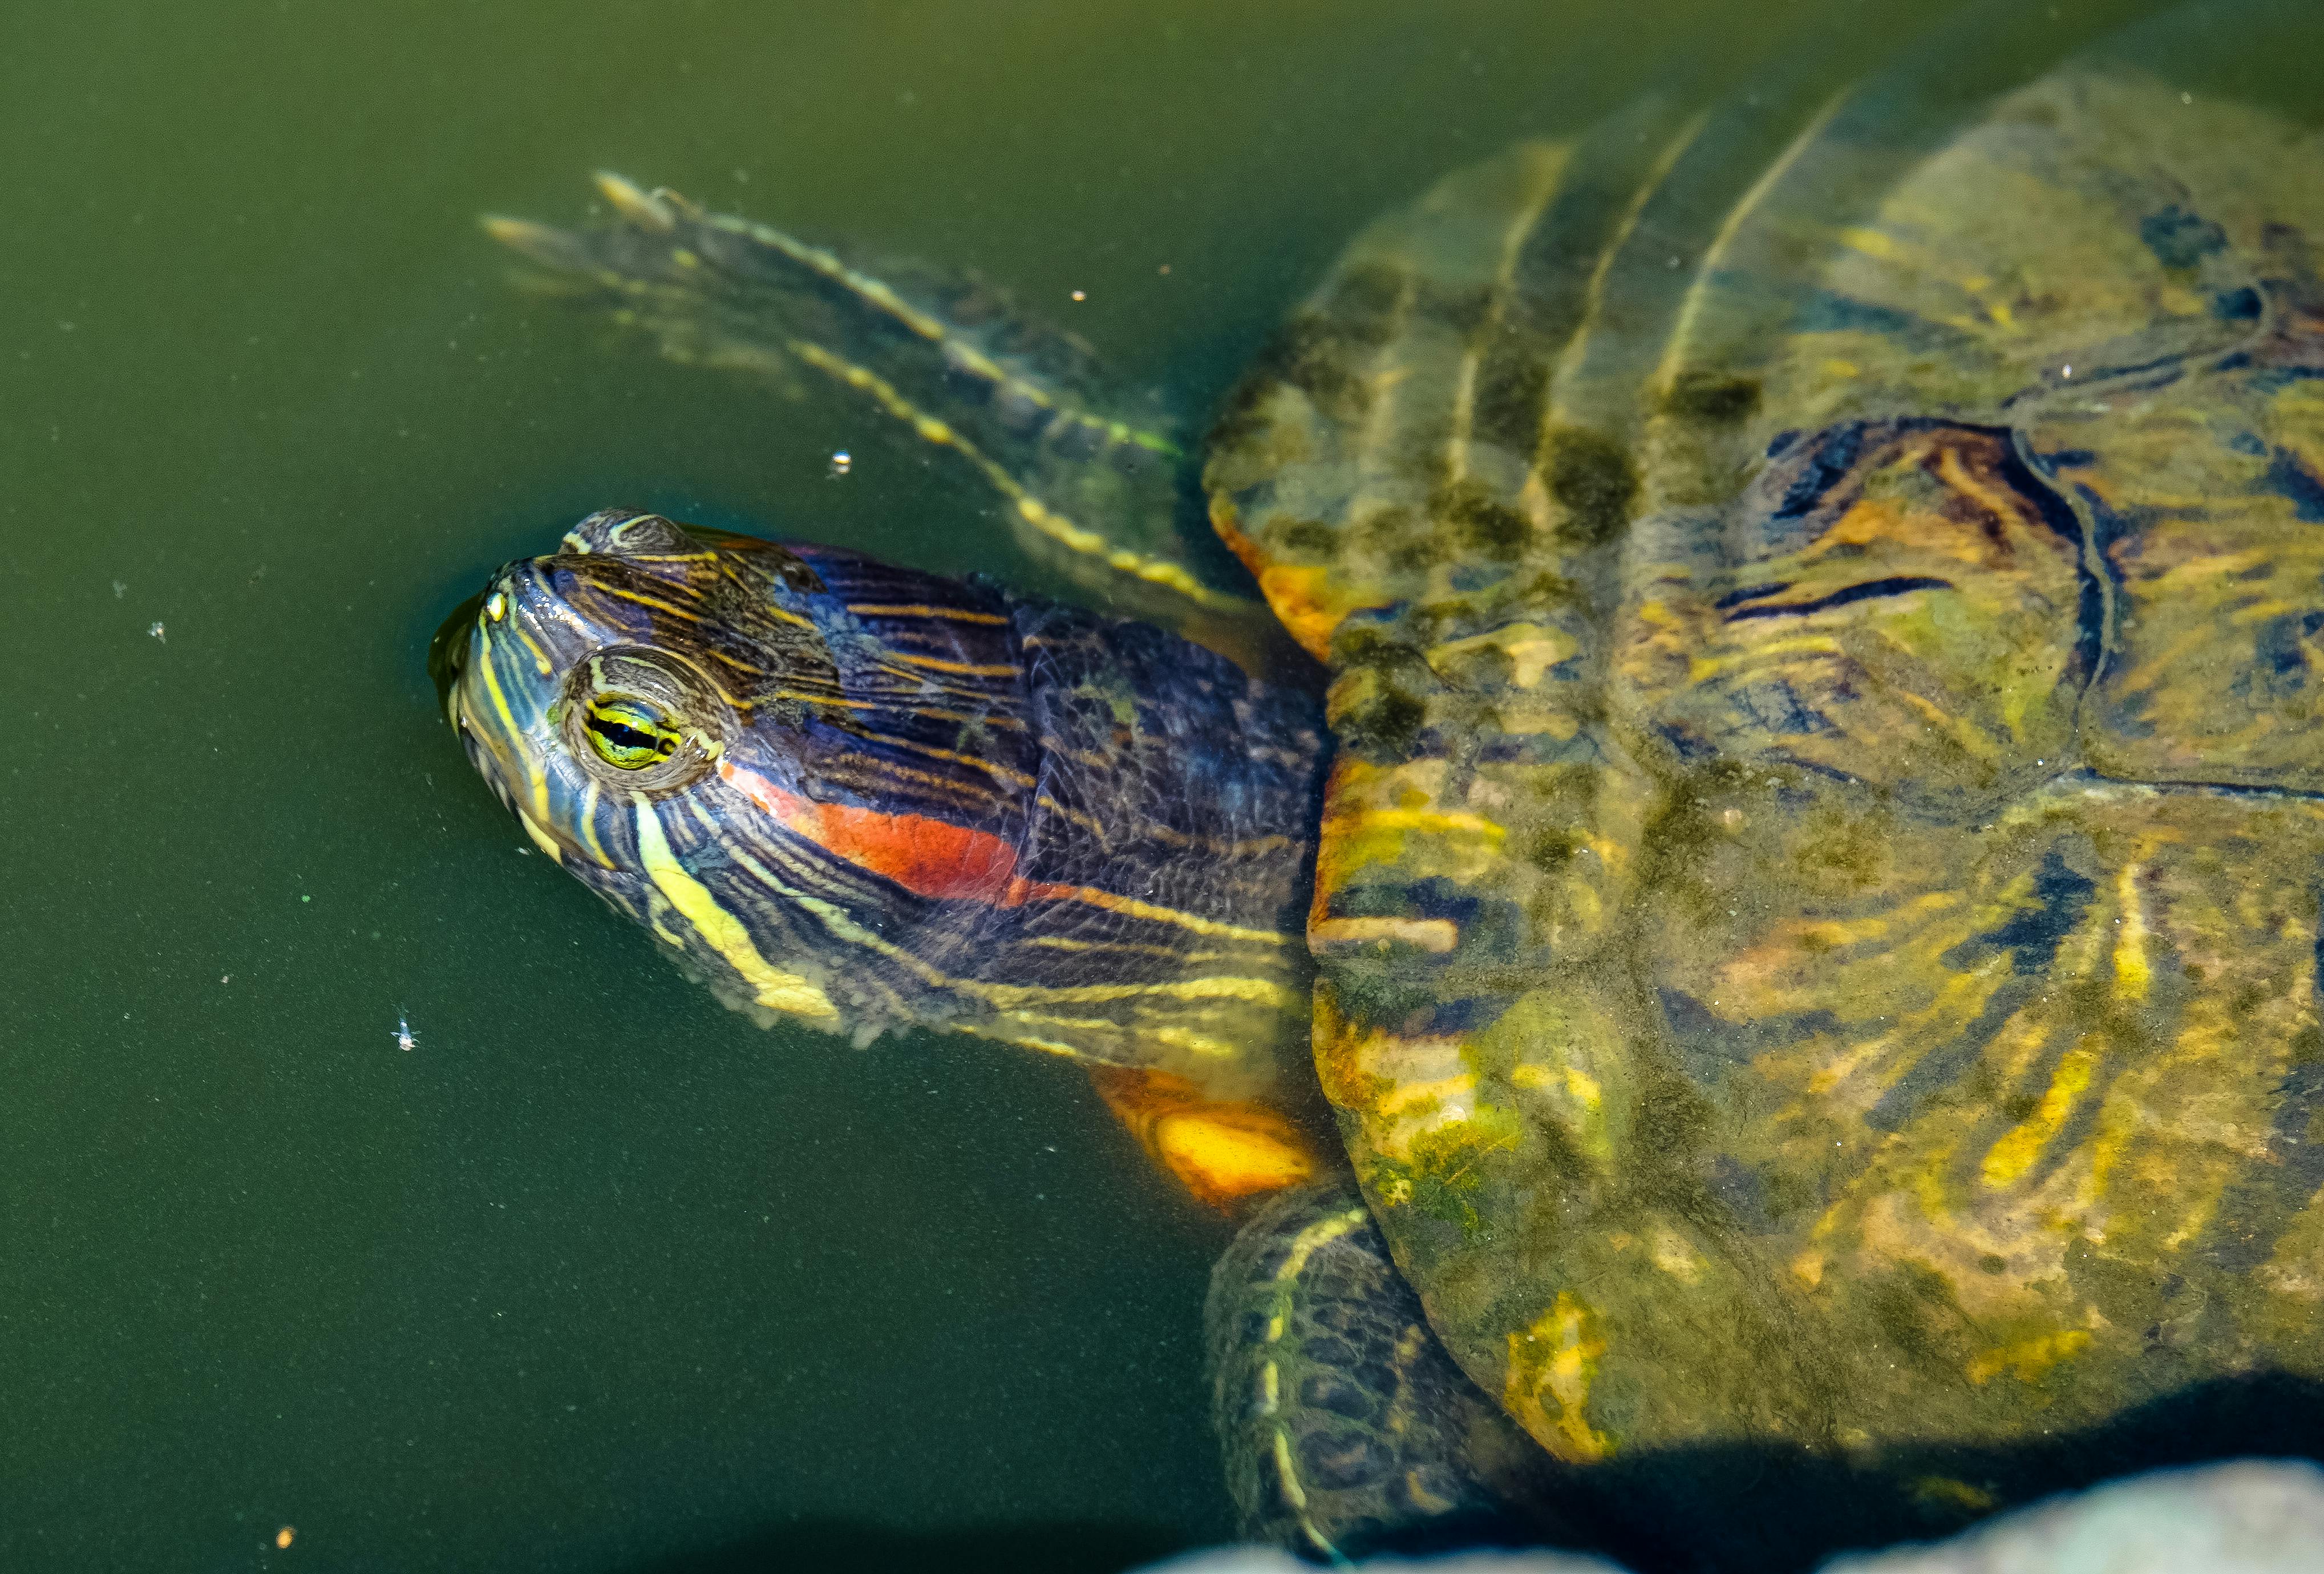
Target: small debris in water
[1081, 295]
[159, 633]
[119, 589]
[841, 462]
[283, 1537]
[226, 978]
[1165, 268]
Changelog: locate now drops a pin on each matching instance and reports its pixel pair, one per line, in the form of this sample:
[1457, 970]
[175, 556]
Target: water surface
[596, 1276]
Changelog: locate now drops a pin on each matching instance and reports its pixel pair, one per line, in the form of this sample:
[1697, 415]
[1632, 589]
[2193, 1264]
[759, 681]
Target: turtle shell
[1819, 896]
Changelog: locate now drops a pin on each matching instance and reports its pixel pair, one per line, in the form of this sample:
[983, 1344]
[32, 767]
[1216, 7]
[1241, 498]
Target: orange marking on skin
[1222, 1151]
[936, 858]
[926, 856]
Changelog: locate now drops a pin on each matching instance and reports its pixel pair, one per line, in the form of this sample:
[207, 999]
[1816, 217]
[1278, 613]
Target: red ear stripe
[927, 857]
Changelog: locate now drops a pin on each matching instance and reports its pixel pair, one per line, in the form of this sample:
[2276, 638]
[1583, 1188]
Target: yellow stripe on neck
[774, 989]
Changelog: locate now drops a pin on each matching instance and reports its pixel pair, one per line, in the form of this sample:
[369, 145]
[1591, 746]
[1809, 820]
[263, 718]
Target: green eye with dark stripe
[629, 734]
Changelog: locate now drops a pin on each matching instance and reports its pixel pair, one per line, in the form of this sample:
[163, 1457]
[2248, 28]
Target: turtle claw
[551, 248]
[649, 210]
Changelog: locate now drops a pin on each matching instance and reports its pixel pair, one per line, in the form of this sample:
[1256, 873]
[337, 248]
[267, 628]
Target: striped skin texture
[887, 799]
[1088, 478]
[1348, 1430]
[1818, 904]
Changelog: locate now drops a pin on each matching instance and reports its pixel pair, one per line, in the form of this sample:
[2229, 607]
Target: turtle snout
[447, 649]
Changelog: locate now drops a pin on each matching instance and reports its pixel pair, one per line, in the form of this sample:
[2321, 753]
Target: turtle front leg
[1224, 1151]
[1347, 1427]
[1089, 479]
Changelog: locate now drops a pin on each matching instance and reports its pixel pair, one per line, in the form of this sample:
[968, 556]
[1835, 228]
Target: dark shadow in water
[840, 1545]
[1760, 1510]
[1740, 1510]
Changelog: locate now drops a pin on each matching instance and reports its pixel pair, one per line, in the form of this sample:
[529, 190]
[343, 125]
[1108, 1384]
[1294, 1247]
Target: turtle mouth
[497, 684]
[447, 652]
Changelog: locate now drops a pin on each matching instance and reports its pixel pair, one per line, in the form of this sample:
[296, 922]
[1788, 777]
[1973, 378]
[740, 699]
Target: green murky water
[597, 1277]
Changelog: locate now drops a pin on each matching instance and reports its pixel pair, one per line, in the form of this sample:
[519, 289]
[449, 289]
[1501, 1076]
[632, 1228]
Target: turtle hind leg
[1346, 1427]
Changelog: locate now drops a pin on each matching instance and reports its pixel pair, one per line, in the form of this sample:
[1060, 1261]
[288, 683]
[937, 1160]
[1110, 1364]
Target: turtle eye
[629, 733]
[646, 714]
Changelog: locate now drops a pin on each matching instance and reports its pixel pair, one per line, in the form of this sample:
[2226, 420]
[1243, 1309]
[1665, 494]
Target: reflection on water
[596, 1274]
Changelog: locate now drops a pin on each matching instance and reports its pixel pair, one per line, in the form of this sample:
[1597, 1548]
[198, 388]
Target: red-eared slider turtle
[1814, 924]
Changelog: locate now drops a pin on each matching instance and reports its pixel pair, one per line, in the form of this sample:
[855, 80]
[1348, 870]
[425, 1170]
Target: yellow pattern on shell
[1550, 1366]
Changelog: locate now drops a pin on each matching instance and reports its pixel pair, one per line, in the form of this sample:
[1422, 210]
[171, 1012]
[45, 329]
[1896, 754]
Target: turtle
[1771, 1001]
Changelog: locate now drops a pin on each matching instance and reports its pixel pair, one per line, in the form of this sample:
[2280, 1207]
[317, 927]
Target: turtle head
[892, 796]
[868, 798]
[617, 694]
